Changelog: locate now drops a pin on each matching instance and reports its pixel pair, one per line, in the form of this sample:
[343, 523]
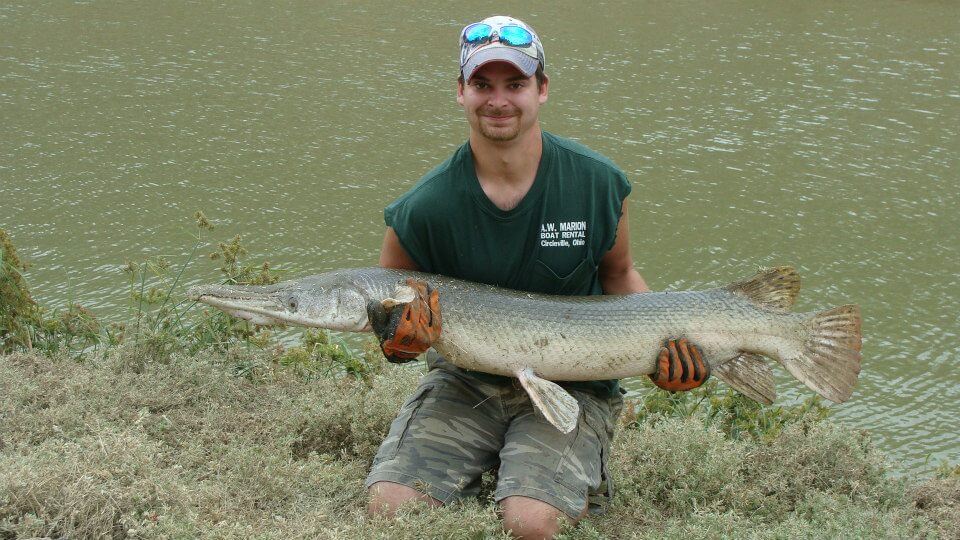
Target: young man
[520, 208]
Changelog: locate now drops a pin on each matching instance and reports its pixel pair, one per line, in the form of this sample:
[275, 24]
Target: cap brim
[500, 53]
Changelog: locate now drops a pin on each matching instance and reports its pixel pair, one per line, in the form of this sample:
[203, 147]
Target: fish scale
[570, 338]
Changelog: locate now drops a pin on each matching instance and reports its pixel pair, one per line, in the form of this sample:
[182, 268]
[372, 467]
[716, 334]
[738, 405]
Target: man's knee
[386, 497]
[528, 518]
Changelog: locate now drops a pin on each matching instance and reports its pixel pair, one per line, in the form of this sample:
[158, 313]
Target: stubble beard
[499, 133]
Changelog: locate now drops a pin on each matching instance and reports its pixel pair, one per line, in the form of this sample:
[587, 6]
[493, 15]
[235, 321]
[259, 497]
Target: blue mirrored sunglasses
[511, 34]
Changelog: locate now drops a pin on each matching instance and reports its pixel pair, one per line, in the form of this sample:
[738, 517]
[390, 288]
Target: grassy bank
[205, 446]
[180, 423]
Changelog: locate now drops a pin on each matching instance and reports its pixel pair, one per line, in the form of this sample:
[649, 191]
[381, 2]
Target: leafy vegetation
[733, 413]
[26, 325]
[186, 424]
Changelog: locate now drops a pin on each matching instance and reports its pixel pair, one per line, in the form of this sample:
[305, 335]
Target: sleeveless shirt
[551, 242]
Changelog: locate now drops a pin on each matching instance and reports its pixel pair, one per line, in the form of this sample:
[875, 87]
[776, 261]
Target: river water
[820, 134]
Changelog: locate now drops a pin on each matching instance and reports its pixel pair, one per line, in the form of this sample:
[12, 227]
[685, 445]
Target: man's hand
[405, 331]
[680, 366]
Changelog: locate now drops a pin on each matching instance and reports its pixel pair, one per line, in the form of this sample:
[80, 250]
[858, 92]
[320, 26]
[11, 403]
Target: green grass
[187, 446]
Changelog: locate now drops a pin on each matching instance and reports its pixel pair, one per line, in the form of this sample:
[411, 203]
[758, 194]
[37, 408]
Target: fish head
[321, 302]
[327, 305]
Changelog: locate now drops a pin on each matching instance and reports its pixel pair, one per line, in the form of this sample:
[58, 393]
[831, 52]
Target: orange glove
[680, 366]
[405, 331]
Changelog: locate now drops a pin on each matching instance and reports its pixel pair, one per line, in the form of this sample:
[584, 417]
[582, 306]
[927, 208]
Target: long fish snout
[302, 304]
[258, 304]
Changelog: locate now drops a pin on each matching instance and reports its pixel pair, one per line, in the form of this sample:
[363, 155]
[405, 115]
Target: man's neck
[512, 163]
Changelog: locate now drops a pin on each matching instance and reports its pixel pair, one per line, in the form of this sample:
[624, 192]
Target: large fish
[541, 338]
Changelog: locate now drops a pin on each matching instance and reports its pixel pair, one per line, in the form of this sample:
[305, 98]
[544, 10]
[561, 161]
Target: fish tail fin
[556, 404]
[830, 360]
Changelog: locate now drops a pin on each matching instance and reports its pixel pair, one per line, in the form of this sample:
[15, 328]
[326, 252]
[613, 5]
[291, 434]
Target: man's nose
[497, 97]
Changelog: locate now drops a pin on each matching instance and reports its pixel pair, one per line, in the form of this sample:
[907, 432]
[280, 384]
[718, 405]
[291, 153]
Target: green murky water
[819, 134]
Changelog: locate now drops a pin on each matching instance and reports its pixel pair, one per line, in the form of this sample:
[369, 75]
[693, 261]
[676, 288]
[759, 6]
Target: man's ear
[544, 89]
[460, 92]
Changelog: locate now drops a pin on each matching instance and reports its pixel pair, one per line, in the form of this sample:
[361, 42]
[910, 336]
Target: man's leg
[547, 477]
[531, 519]
[386, 497]
[445, 436]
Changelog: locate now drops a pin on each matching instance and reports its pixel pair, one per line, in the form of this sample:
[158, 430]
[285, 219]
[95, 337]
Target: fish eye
[291, 303]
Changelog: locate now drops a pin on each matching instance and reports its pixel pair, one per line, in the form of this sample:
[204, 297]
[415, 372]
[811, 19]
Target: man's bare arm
[617, 274]
[680, 364]
[392, 254]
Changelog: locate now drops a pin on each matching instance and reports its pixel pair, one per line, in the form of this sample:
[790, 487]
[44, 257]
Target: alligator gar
[542, 338]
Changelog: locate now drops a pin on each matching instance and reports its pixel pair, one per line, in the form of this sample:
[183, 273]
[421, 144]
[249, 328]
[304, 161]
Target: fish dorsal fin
[557, 405]
[772, 287]
[750, 375]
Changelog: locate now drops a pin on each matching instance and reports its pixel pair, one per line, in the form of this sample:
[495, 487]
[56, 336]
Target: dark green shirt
[550, 243]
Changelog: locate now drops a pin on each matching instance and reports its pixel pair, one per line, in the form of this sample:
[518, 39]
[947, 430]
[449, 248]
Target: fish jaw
[288, 303]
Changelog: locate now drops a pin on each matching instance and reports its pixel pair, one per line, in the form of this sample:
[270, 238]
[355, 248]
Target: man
[520, 208]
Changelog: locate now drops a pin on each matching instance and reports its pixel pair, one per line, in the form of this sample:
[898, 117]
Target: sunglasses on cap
[510, 34]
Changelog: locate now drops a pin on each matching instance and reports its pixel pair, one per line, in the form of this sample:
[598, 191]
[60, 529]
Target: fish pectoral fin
[556, 404]
[773, 287]
[403, 294]
[749, 374]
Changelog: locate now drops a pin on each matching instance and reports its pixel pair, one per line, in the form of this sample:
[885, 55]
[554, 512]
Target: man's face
[500, 103]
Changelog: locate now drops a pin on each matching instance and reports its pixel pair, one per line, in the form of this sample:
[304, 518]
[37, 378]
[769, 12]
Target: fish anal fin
[772, 287]
[556, 404]
[749, 374]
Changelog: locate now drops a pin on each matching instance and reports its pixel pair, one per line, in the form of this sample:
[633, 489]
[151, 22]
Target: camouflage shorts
[455, 427]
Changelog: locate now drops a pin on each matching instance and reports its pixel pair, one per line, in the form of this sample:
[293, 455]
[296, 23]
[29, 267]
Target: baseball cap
[515, 42]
